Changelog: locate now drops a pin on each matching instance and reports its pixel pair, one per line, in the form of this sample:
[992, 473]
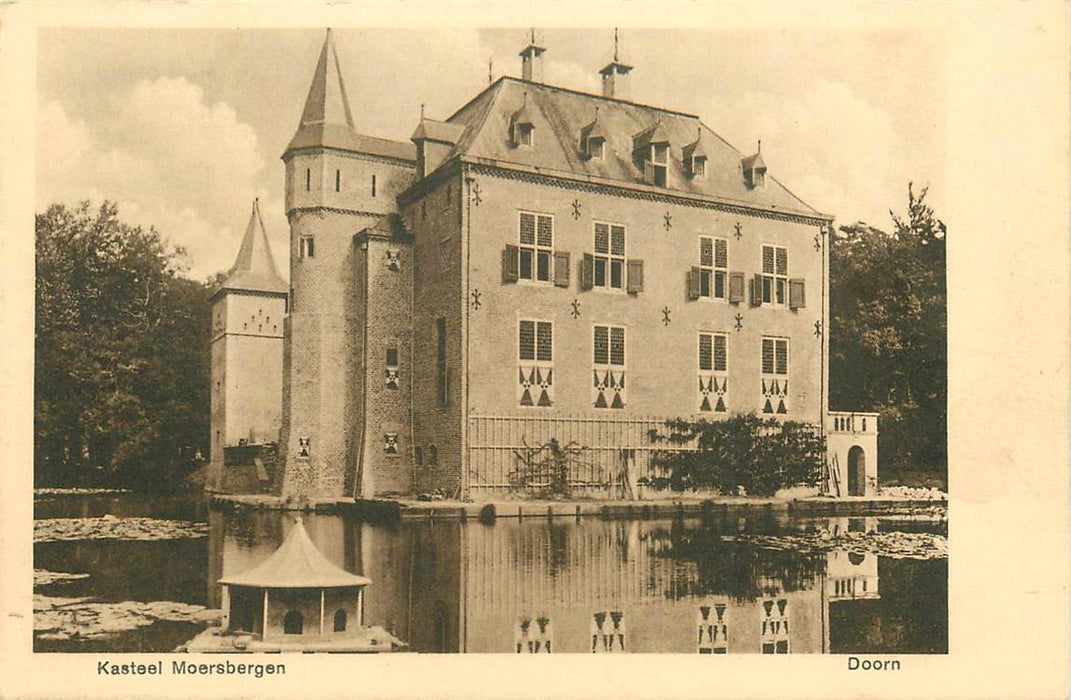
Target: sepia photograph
[502, 347]
[355, 338]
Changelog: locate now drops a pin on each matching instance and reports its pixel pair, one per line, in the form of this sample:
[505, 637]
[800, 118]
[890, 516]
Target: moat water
[760, 583]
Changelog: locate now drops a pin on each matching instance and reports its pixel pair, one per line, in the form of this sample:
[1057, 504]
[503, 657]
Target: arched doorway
[293, 623]
[856, 471]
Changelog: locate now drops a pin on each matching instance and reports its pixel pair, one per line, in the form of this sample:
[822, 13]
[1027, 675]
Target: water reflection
[554, 586]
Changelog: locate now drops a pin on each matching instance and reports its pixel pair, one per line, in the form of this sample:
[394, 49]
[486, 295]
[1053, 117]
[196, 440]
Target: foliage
[760, 455]
[545, 469]
[888, 334]
[121, 363]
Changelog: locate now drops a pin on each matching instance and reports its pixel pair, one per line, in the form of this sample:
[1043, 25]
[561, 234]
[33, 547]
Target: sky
[184, 127]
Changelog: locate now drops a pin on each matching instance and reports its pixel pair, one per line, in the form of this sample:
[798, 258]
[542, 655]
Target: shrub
[760, 455]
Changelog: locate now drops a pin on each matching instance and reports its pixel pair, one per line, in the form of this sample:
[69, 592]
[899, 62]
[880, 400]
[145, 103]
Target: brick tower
[248, 312]
[338, 184]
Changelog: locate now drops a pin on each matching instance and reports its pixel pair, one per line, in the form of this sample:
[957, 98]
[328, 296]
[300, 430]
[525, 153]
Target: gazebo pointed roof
[296, 564]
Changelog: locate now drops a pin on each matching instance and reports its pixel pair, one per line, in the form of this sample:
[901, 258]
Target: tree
[121, 353]
[888, 334]
[760, 455]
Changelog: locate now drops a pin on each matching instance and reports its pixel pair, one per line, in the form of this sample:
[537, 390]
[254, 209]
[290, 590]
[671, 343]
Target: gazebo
[295, 600]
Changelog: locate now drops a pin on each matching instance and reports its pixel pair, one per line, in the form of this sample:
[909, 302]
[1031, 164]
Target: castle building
[544, 264]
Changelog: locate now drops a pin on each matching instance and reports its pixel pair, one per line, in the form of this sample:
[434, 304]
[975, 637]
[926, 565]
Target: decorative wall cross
[818, 329]
[667, 221]
[476, 199]
[739, 322]
[576, 308]
[476, 303]
[817, 242]
[739, 232]
[576, 209]
[665, 316]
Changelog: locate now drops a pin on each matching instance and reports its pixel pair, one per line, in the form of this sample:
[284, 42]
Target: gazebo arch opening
[340, 620]
[293, 622]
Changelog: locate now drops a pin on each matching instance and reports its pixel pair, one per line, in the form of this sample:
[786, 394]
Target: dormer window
[522, 126]
[524, 135]
[593, 139]
[650, 148]
[754, 170]
[695, 157]
[596, 147]
[699, 167]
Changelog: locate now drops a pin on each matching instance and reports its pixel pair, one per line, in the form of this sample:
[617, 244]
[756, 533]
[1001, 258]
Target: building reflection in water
[552, 586]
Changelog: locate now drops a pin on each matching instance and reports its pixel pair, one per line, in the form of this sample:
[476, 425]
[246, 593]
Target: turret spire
[254, 268]
[326, 119]
[326, 102]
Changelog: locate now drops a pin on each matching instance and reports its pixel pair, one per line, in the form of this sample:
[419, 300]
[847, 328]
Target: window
[775, 375]
[774, 275]
[433, 455]
[775, 356]
[608, 360]
[699, 167]
[713, 364]
[308, 179]
[525, 133]
[535, 341]
[440, 363]
[392, 366]
[536, 236]
[596, 148]
[609, 256]
[418, 454]
[713, 352]
[535, 353]
[340, 620]
[713, 265]
[307, 247]
[338, 181]
[373, 185]
[655, 169]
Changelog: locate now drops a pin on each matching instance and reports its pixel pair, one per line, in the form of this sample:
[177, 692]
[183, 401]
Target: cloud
[833, 149]
[169, 159]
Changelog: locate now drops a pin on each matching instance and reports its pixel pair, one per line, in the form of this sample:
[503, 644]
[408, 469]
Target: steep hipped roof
[296, 564]
[559, 116]
[327, 121]
[254, 269]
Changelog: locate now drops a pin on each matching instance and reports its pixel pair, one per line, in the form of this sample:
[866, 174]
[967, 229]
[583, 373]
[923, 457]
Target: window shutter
[797, 294]
[635, 276]
[756, 290]
[510, 263]
[561, 268]
[736, 287]
[587, 271]
[694, 278]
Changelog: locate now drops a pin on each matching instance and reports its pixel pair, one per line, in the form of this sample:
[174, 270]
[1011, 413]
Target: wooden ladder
[834, 477]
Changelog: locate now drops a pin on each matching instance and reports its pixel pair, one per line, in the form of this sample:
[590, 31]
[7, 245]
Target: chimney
[532, 60]
[615, 78]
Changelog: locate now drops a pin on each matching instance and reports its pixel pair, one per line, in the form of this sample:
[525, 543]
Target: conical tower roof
[296, 564]
[326, 119]
[254, 269]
